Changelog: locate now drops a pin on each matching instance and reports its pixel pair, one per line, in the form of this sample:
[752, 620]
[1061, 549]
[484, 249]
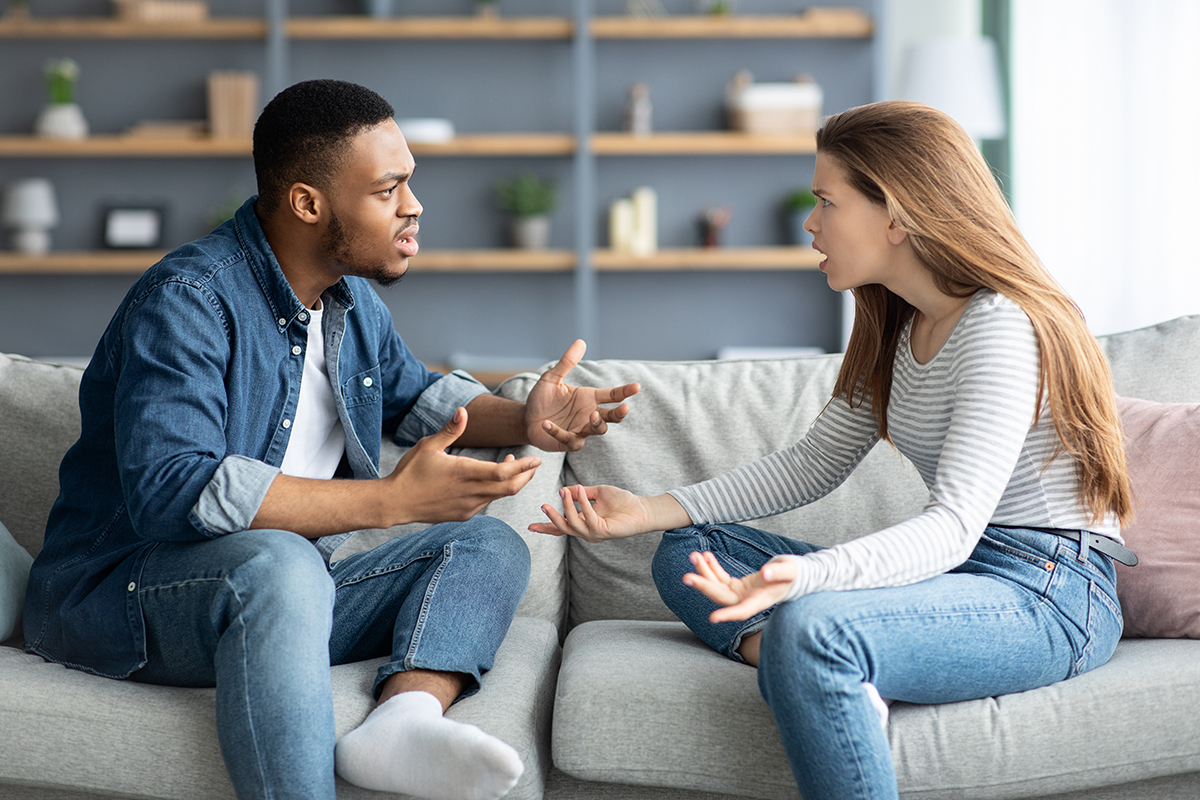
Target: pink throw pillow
[1160, 597]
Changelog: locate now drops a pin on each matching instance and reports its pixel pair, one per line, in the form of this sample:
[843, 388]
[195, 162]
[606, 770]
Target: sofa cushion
[1160, 597]
[1157, 362]
[694, 420]
[15, 562]
[40, 404]
[646, 703]
[546, 597]
[58, 726]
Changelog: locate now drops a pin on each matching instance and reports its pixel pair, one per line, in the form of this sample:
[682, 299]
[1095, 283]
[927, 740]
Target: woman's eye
[824, 202]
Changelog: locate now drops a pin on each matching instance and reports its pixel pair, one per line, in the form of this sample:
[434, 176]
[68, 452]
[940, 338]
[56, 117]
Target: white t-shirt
[317, 440]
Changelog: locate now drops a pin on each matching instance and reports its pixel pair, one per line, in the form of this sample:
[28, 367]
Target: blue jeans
[1022, 612]
[261, 616]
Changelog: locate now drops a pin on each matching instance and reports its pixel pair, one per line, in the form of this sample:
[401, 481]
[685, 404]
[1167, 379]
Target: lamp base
[31, 241]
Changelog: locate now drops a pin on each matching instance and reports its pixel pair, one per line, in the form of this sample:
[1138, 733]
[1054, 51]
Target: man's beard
[338, 246]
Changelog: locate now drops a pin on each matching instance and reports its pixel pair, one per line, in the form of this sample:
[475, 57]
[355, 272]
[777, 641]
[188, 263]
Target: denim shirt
[186, 410]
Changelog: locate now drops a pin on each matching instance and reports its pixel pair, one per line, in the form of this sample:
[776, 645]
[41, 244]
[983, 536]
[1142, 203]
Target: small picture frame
[132, 227]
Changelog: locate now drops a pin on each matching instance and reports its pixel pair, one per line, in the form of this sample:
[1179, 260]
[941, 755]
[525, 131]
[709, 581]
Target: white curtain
[1106, 152]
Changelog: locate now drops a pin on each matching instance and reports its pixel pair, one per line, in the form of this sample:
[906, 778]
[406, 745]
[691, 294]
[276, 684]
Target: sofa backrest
[39, 421]
[694, 420]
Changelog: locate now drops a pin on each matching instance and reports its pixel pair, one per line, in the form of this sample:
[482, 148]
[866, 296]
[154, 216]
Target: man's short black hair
[302, 134]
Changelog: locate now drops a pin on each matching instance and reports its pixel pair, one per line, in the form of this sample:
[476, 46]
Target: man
[240, 381]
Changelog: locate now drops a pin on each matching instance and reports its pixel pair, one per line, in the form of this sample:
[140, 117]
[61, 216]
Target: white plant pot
[62, 121]
[531, 233]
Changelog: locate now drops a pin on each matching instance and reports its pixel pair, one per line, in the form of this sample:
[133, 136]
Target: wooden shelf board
[814, 23]
[717, 258]
[500, 144]
[480, 27]
[700, 143]
[116, 262]
[122, 146]
[111, 28]
[493, 261]
[489, 378]
[98, 262]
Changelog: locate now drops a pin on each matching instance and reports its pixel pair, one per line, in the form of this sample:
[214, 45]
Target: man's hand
[430, 485]
[559, 416]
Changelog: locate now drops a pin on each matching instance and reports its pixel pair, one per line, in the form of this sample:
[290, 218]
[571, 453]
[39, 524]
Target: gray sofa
[602, 692]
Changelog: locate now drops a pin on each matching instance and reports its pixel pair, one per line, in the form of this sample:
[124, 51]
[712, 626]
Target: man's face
[373, 212]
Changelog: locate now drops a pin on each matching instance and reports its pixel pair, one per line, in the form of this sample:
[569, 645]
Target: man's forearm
[494, 422]
[314, 508]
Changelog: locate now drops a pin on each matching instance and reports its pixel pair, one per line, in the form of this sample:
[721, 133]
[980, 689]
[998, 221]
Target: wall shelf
[700, 143]
[465, 145]
[815, 23]
[122, 146]
[110, 28]
[478, 27]
[121, 262]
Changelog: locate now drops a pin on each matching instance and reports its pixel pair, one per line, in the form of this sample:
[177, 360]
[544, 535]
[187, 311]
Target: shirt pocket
[362, 389]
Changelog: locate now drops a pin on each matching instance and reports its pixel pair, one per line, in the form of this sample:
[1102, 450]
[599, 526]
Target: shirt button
[302, 316]
[282, 322]
[367, 381]
[287, 423]
[131, 586]
[296, 350]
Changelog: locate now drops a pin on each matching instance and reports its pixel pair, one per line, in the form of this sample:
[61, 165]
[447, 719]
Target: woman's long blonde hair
[920, 165]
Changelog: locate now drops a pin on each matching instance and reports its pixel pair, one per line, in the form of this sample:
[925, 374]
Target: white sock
[878, 703]
[405, 745]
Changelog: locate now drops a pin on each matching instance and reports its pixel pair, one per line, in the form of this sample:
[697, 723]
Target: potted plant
[529, 200]
[797, 206]
[62, 118]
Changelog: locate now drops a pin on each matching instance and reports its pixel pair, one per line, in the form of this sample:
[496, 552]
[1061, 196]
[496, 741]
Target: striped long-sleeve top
[964, 419]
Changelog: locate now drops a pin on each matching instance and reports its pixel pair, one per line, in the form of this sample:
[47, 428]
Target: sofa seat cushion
[646, 703]
[60, 728]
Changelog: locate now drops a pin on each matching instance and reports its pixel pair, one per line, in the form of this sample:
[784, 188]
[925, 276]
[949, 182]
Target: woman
[968, 358]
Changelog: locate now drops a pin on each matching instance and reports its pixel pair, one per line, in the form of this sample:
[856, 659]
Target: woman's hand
[742, 597]
[606, 512]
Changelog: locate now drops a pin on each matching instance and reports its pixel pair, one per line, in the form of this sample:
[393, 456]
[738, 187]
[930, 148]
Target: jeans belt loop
[1085, 540]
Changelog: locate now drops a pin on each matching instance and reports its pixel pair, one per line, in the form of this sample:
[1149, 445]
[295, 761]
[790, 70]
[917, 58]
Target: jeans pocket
[1103, 630]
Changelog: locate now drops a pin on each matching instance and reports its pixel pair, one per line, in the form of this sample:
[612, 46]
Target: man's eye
[824, 202]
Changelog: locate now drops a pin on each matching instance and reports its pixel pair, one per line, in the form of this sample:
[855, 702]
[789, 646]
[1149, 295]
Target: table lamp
[961, 77]
[30, 210]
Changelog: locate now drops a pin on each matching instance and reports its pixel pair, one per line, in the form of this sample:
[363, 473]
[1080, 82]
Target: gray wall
[481, 86]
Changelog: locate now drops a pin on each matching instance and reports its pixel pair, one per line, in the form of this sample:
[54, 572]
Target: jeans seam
[262, 773]
[386, 570]
[418, 628]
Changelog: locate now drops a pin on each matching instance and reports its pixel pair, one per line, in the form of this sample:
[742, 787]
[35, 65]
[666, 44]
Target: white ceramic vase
[62, 121]
[531, 233]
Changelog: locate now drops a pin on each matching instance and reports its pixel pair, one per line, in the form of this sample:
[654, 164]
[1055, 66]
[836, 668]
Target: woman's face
[853, 233]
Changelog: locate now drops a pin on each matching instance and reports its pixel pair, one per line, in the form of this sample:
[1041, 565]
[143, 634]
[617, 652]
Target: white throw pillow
[14, 575]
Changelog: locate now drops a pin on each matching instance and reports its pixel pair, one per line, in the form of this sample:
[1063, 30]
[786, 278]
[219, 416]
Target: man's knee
[496, 541]
[283, 569]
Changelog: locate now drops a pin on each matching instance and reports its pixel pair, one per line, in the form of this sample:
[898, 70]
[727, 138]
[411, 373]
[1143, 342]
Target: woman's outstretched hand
[606, 512]
[742, 597]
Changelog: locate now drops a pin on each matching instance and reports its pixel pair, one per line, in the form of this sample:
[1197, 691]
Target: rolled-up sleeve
[231, 499]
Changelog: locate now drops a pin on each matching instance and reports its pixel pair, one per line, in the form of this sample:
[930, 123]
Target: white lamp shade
[30, 204]
[962, 78]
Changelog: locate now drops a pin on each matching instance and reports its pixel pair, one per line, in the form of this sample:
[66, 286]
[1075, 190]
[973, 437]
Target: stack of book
[232, 104]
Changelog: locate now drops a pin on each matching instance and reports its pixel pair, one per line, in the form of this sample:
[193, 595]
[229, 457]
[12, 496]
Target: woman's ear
[896, 234]
[306, 203]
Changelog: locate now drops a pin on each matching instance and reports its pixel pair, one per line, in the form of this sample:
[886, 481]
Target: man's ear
[307, 203]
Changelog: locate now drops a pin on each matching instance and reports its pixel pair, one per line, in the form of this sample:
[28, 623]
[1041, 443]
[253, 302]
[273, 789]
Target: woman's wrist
[665, 513]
